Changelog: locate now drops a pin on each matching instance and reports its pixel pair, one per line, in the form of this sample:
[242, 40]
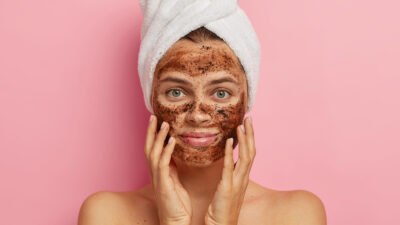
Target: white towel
[166, 21]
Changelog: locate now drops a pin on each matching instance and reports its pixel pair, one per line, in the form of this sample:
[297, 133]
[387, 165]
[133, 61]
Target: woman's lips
[198, 138]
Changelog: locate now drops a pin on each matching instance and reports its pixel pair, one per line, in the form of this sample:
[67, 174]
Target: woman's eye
[175, 93]
[221, 94]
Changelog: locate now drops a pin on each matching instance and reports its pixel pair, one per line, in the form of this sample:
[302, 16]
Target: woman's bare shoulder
[119, 207]
[284, 206]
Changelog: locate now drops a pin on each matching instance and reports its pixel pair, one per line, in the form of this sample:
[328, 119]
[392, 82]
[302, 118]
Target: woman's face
[200, 89]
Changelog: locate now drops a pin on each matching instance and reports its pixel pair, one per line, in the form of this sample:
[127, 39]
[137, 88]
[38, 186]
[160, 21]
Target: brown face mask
[199, 110]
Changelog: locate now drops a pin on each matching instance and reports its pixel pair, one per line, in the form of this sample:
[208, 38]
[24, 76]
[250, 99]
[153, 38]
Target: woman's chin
[193, 163]
[197, 157]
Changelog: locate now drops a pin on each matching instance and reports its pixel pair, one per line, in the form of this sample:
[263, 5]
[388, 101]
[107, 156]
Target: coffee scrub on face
[201, 57]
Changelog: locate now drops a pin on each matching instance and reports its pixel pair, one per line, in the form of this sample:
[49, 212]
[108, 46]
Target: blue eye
[221, 94]
[175, 93]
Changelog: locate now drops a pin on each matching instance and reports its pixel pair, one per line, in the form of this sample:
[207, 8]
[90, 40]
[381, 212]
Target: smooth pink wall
[72, 116]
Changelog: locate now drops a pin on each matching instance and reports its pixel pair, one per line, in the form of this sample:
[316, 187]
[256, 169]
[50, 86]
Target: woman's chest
[249, 215]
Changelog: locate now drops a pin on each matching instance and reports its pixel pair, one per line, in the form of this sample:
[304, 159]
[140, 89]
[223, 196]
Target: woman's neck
[200, 182]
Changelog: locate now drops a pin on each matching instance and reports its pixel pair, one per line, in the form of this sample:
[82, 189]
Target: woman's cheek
[229, 119]
[170, 114]
[228, 129]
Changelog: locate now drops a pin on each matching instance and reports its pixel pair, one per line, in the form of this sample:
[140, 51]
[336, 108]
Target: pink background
[72, 116]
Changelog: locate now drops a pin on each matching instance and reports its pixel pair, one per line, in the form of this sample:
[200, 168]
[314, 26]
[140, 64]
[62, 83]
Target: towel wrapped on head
[166, 21]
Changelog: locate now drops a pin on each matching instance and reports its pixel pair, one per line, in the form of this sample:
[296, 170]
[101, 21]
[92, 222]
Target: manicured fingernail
[163, 125]
[151, 118]
[242, 127]
[230, 141]
[171, 139]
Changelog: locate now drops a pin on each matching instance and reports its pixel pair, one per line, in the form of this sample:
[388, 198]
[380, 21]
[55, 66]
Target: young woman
[199, 97]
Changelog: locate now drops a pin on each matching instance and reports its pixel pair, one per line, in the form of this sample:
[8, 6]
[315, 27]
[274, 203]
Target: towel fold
[166, 21]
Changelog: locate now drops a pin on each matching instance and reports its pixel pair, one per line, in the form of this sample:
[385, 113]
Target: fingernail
[151, 118]
[230, 141]
[171, 139]
[250, 121]
[163, 125]
[242, 127]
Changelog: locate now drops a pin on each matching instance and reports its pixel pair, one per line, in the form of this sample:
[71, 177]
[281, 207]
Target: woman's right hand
[173, 202]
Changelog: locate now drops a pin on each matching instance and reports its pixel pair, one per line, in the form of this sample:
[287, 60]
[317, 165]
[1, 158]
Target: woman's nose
[198, 115]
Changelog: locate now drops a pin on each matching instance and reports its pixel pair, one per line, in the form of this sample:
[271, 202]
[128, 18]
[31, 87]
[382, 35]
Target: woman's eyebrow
[176, 80]
[222, 80]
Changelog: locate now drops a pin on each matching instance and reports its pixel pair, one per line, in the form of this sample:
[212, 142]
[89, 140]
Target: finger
[244, 159]
[227, 171]
[165, 159]
[250, 138]
[151, 132]
[158, 145]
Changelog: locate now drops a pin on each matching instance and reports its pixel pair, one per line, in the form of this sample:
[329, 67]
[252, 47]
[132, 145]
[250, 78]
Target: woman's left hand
[228, 198]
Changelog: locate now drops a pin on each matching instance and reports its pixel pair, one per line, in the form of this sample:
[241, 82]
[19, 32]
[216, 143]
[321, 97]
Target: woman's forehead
[196, 59]
[209, 77]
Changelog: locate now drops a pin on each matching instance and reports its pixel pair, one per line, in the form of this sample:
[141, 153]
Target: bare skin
[201, 184]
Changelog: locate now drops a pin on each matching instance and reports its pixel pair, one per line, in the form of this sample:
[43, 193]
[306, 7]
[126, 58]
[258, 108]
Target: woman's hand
[228, 198]
[173, 202]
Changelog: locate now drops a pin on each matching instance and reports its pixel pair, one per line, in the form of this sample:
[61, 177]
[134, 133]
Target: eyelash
[183, 92]
[174, 89]
[229, 94]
